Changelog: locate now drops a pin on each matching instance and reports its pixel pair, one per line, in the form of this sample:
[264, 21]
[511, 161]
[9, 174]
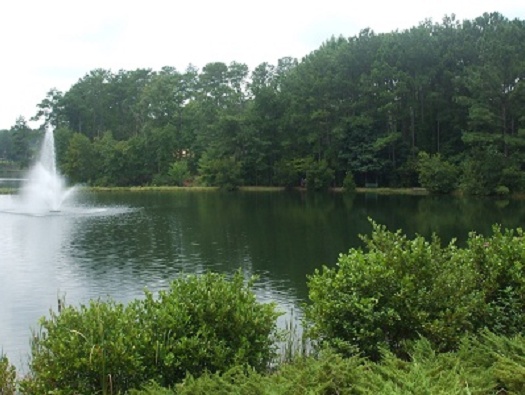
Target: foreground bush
[484, 365]
[202, 323]
[401, 288]
[330, 374]
[90, 349]
[206, 323]
[7, 376]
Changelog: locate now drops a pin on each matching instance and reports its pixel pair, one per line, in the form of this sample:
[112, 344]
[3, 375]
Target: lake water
[119, 243]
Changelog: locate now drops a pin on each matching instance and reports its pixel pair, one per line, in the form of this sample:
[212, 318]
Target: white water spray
[44, 190]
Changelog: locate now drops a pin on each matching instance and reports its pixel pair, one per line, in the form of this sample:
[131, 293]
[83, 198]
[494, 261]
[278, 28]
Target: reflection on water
[120, 243]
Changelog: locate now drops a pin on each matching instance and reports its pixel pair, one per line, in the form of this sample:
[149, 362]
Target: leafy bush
[349, 184]
[86, 350]
[400, 289]
[486, 365]
[329, 374]
[501, 356]
[222, 172]
[290, 173]
[206, 323]
[179, 172]
[482, 171]
[427, 372]
[499, 261]
[202, 323]
[501, 190]
[161, 179]
[286, 174]
[319, 176]
[436, 174]
[513, 178]
[7, 376]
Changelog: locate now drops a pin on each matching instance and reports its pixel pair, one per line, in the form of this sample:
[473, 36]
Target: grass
[150, 188]
[7, 191]
[382, 191]
[394, 191]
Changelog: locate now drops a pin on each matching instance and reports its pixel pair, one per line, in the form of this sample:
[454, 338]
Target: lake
[116, 244]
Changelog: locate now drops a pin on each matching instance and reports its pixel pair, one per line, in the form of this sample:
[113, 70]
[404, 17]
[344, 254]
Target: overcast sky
[54, 43]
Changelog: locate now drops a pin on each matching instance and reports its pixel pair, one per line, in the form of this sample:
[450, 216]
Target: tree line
[440, 101]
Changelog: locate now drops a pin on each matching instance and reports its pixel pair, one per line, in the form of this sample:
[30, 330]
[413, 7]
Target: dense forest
[440, 105]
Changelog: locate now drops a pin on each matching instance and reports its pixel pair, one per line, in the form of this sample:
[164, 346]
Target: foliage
[319, 176]
[179, 172]
[482, 171]
[502, 357]
[86, 350]
[436, 174]
[329, 374]
[501, 190]
[222, 172]
[206, 323]
[401, 288]
[365, 104]
[349, 185]
[293, 172]
[286, 174]
[487, 364]
[499, 261]
[202, 323]
[80, 164]
[513, 178]
[426, 372]
[7, 376]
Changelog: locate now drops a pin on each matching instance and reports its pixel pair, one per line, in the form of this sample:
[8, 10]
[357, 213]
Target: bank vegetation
[398, 315]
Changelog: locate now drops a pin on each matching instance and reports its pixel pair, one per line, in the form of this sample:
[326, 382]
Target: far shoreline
[410, 191]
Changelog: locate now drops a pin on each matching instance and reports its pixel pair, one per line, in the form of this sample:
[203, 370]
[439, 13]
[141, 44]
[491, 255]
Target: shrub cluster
[402, 316]
[401, 289]
[7, 376]
[483, 365]
[202, 323]
[436, 174]
[349, 184]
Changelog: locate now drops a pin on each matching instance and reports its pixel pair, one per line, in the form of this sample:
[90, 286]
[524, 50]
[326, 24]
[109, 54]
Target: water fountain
[44, 189]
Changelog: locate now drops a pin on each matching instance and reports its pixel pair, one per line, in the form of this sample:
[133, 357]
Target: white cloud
[56, 42]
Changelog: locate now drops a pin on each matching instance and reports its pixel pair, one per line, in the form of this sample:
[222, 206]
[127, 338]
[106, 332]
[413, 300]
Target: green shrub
[400, 289]
[426, 372]
[514, 178]
[485, 364]
[7, 376]
[482, 171]
[319, 176]
[179, 172]
[285, 174]
[202, 323]
[207, 323]
[87, 350]
[330, 374]
[436, 174]
[290, 173]
[161, 179]
[501, 190]
[502, 357]
[499, 261]
[222, 172]
[349, 184]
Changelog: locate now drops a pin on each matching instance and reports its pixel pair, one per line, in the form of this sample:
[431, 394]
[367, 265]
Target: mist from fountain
[44, 189]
